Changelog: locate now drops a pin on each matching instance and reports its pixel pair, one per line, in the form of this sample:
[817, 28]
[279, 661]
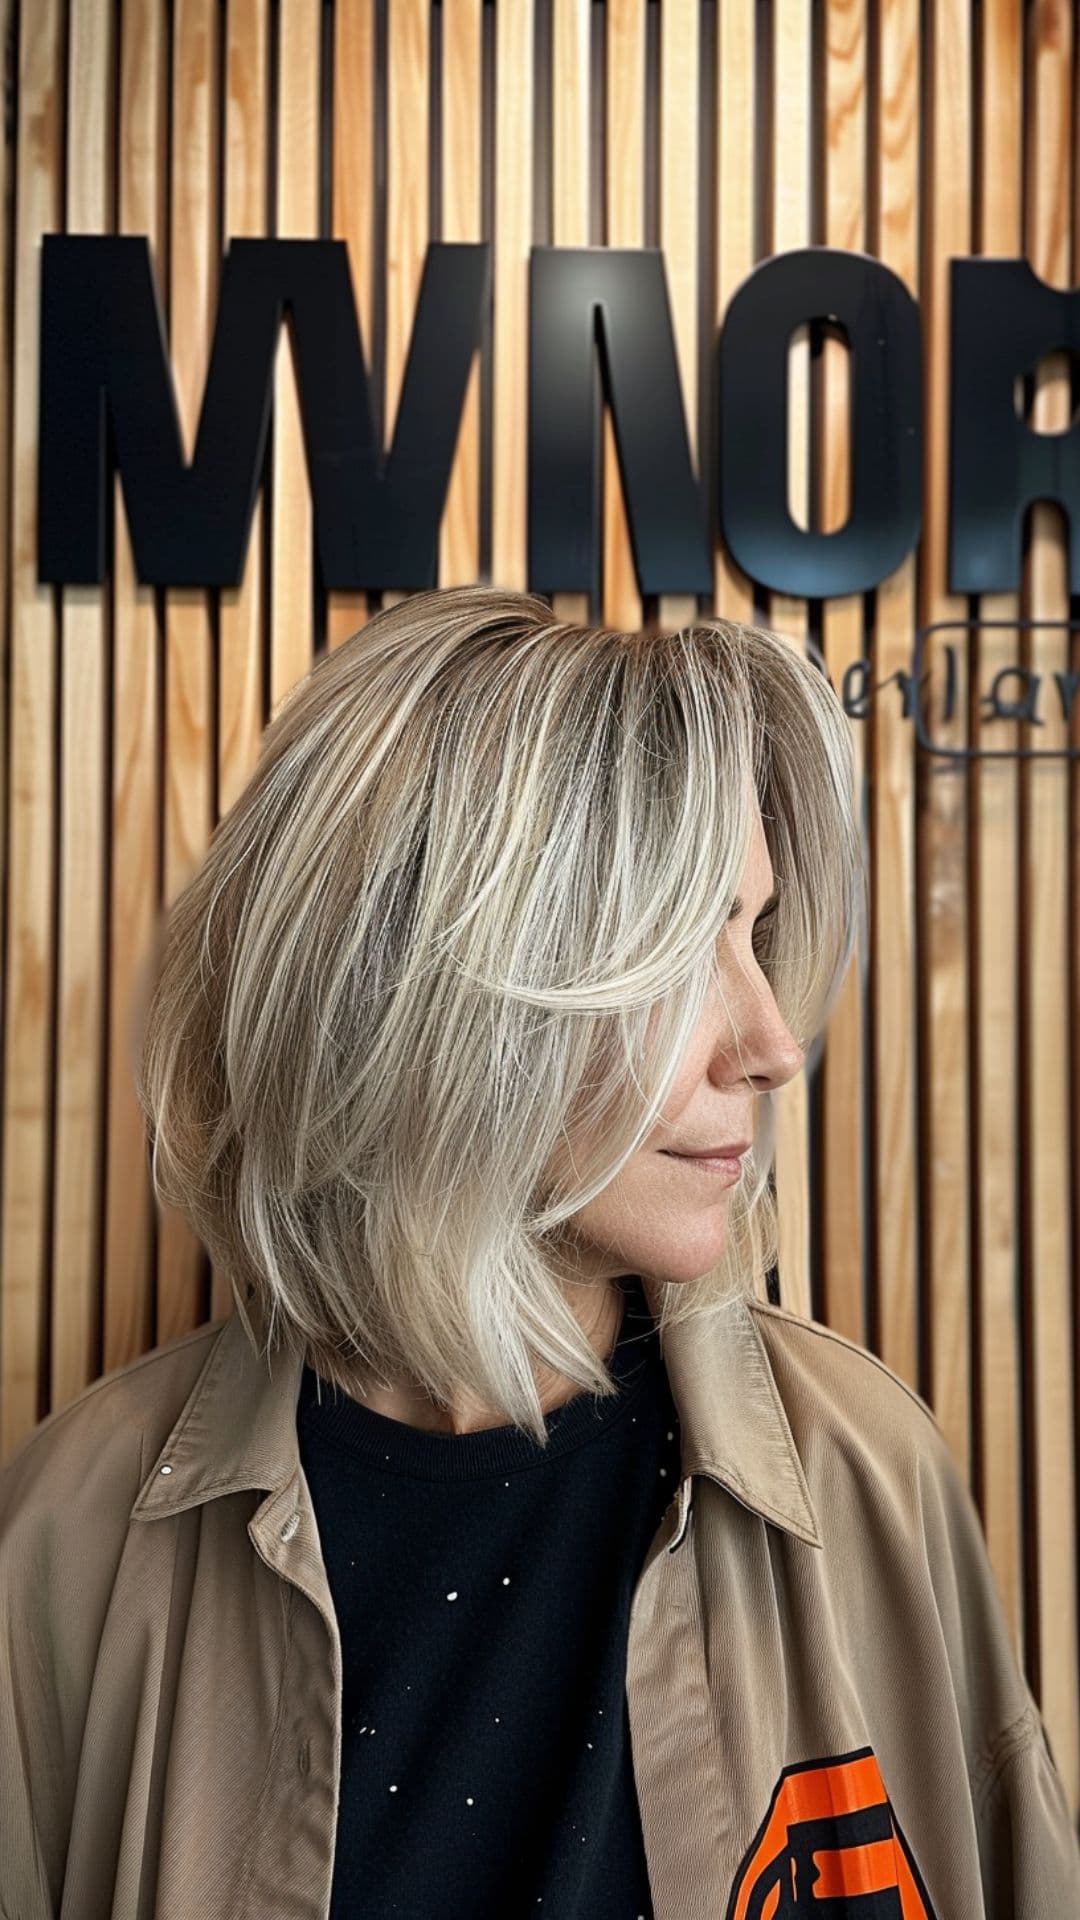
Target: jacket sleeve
[65, 1495]
[1029, 1844]
[31, 1777]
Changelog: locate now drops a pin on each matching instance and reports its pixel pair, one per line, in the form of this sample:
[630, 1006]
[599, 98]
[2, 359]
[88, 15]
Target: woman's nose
[759, 1042]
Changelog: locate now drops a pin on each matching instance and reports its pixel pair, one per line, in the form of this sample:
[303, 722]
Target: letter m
[107, 398]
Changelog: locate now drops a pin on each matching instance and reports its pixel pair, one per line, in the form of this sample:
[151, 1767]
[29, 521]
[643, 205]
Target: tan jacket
[825, 1708]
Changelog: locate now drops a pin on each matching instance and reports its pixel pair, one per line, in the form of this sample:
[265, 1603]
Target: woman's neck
[599, 1309]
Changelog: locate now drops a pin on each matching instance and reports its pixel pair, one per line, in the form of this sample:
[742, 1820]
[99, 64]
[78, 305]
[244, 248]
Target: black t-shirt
[482, 1586]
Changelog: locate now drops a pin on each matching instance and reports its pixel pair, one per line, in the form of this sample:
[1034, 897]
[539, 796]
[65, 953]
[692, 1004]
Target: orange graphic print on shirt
[830, 1842]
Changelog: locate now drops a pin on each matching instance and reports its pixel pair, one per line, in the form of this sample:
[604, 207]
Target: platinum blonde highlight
[463, 917]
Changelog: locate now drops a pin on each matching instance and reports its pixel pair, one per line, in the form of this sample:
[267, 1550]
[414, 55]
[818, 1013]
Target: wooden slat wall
[295, 189]
[352, 165]
[83, 838]
[134, 772]
[785, 136]
[568, 62]
[625, 51]
[891, 1171]
[927, 1168]
[842, 223]
[460, 213]
[30, 1296]
[242, 615]
[1043, 919]
[995, 903]
[189, 612]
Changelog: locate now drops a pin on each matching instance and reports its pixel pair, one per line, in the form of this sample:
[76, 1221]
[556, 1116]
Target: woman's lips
[723, 1165]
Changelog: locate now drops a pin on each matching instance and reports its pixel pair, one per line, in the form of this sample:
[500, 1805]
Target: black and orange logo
[830, 1843]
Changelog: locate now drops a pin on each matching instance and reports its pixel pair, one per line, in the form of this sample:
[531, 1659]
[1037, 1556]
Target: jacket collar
[237, 1429]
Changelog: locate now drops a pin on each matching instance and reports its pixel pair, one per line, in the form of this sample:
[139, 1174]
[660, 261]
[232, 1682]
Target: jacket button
[290, 1526]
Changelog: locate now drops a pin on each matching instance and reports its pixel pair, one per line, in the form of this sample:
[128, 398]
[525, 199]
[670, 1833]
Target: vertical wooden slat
[462, 220]
[679, 236]
[9, 54]
[189, 621]
[242, 611]
[843, 82]
[570, 170]
[790, 228]
[31, 916]
[407, 196]
[738, 147]
[942, 795]
[136, 777]
[296, 199]
[894, 239]
[624, 189]
[995, 904]
[9, 57]
[513, 239]
[1044, 924]
[80, 1003]
[353, 215]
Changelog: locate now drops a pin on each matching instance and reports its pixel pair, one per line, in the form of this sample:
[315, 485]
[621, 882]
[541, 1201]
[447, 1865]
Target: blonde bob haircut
[457, 930]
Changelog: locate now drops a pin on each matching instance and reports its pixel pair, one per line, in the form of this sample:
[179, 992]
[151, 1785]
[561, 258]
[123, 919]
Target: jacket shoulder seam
[822, 1332]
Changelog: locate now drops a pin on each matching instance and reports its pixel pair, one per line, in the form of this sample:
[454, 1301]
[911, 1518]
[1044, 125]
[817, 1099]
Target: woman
[506, 1553]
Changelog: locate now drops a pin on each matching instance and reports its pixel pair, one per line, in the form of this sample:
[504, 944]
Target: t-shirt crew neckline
[399, 1448]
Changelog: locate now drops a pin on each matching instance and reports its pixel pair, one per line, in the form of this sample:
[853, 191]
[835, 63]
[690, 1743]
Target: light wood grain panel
[189, 613]
[353, 217]
[943, 901]
[80, 987]
[842, 1069]
[570, 169]
[31, 909]
[136, 785]
[513, 239]
[407, 222]
[789, 227]
[624, 190]
[680, 33]
[894, 1173]
[1044, 930]
[462, 220]
[242, 610]
[738, 154]
[9, 53]
[996, 1226]
[296, 206]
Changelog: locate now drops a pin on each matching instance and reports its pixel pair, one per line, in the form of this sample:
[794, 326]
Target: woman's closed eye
[763, 925]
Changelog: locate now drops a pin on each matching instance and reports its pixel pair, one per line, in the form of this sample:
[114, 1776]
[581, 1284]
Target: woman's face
[662, 1217]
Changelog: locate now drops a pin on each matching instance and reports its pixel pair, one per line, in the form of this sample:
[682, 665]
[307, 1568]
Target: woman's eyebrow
[737, 905]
